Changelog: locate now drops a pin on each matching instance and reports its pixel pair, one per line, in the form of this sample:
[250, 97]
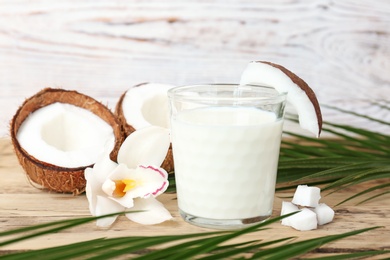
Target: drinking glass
[225, 142]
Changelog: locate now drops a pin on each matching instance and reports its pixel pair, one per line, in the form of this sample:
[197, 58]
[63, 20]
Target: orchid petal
[108, 187]
[106, 206]
[125, 201]
[146, 146]
[121, 172]
[154, 182]
[90, 191]
[103, 168]
[149, 181]
[153, 212]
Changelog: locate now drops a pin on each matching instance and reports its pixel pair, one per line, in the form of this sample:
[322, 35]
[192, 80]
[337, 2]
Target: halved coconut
[144, 105]
[300, 95]
[57, 133]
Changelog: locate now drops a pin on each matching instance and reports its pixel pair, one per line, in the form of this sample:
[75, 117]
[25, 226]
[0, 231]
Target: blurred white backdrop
[103, 47]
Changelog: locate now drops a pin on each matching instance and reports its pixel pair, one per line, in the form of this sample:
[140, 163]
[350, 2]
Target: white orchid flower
[132, 183]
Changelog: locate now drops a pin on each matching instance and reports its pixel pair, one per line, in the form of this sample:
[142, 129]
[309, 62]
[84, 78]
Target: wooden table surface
[23, 205]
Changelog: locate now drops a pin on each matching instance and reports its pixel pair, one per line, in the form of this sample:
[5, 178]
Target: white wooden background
[102, 47]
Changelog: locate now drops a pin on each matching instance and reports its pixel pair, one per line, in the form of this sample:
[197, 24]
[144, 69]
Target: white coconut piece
[325, 214]
[287, 208]
[300, 95]
[65, 135]
[307, 196]
[147, 104]
[304, 220]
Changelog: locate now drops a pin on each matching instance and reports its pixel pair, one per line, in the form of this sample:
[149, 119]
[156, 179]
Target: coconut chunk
[287, 208]
[307, 196]
[300, 95]
[304, 220]
[325, 214]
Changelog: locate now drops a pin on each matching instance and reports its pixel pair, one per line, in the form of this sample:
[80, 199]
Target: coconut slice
[300, 95]
[145, 105]
[57, 133]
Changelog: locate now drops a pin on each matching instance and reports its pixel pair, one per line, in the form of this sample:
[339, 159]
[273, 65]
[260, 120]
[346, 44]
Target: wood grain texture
[23, 205]
[101, 48]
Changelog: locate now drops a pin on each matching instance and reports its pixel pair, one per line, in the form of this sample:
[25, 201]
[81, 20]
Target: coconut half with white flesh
[300, 95]
[144, 105]
[57, 133]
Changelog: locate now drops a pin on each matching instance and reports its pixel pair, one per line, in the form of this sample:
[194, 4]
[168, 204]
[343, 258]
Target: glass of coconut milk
[226, 140]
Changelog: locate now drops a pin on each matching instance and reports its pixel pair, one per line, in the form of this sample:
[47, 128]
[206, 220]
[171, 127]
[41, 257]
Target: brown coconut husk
[49, 176]
[128, 129]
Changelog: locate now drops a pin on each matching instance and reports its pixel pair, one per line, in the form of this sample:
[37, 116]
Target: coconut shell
[49, 176]
[168, 162]
[128, 129]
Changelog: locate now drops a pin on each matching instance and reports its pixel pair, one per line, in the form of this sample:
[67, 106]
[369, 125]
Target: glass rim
[179, 93]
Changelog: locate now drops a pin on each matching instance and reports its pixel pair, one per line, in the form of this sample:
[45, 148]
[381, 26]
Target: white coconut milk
[226, 161]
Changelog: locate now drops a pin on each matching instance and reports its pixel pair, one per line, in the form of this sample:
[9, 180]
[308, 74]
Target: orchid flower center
[123, 186]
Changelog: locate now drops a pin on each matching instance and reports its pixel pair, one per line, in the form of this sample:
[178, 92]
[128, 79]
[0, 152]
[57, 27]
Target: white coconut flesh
[311, 214]
[260, 73]
[307, 196]
[147, 105]
[65, 135]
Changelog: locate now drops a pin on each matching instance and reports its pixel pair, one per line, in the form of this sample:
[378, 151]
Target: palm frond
[363, 116]
[352, 157]
[205, 245]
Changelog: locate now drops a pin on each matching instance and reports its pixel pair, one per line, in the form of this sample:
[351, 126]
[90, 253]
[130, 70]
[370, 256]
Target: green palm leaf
[206, 245]
[353, 156]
